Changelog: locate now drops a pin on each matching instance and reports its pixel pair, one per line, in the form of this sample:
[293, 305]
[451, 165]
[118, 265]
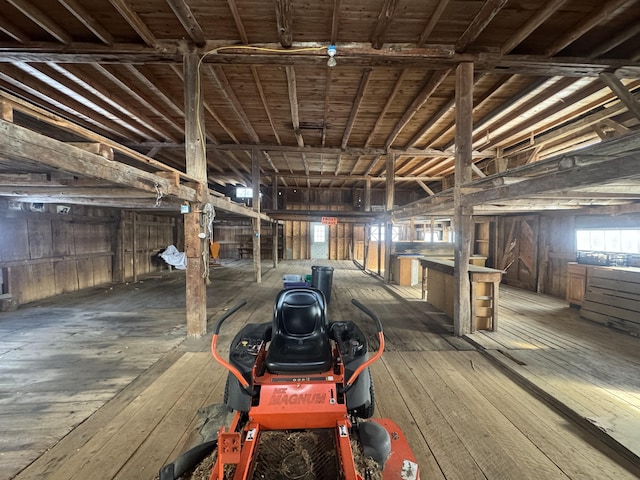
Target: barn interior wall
[535, 249]
[46, 250]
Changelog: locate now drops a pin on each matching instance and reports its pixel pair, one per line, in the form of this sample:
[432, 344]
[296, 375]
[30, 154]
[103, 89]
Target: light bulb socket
[331, 50]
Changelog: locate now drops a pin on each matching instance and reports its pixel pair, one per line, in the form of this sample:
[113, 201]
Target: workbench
[484, 282]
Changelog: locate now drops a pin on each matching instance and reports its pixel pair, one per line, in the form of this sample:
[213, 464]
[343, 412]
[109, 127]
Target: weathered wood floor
[102, 385]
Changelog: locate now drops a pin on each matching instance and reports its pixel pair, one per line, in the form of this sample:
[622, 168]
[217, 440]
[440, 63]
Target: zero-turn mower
[303, 397]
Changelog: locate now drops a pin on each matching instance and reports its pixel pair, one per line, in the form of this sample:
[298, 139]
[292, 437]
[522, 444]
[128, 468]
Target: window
[377, 234]
[319, 234]
[243, 192]
[612, 240]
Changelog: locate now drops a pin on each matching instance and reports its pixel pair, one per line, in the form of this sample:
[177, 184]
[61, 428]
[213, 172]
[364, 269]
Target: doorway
[319, 241]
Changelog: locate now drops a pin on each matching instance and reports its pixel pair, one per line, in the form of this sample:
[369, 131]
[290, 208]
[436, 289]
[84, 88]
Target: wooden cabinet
[576, 283]
[484, 283]
[404, 270]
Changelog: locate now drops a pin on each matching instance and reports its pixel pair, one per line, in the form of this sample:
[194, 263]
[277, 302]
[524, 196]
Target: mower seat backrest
[300, 338]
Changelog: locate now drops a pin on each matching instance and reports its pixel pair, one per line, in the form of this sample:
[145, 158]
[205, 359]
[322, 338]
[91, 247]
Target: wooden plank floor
[464, 417]
[587, 368]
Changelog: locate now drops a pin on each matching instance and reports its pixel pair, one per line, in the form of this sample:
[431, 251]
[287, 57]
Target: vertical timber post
[255, 221]
[196, 162]
[274, 225]
[462, 215]
[390, 193]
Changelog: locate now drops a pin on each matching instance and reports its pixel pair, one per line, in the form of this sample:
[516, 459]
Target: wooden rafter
[385, 17]
[183, 12]
[88, 20]
[47, 95]
[293, 103]
[141, 97]
[584, 25]
[152, 86]
[335, 17]
[532, 24]
[490, 9]
[225, 89]
[325, 116]
[625, 34]
[92, 85]
[284, 13]
[133, 19]
[364, 81]
[42, 20]
[432, 84]
[265, 103]
[12, 31]
[433, 20]
[238, 21]
[388, 103]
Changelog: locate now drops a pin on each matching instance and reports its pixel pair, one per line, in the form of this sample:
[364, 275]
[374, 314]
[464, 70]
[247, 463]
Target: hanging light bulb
[331, 51]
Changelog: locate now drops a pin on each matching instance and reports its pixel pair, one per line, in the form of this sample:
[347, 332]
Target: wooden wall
[45, 253]
[535, 249]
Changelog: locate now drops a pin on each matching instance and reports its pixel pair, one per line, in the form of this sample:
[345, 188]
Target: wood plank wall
[44, 253]
[535, 249]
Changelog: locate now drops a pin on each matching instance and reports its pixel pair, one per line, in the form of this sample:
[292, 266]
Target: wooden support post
[196, 163]
[255, 222]
[433, 229]
[390, 193]
[134, 247]
[274, 242]
[367, 194]
[274, 226]
[462, 216]
[412, 229]
[367, 234]
[379, 249]
[118, 248]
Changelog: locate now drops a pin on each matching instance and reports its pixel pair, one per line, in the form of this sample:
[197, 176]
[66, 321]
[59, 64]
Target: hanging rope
[209, 214]
[159, 195]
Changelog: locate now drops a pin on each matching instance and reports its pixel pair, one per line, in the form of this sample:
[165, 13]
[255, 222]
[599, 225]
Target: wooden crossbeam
[188, 20]
[88, 20]
[284, 13]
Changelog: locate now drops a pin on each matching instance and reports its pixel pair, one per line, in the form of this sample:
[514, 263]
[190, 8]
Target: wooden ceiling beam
[21, 143]
[533, 22]
[416, 152]
[364, 81]
[585, 24]
[350, 54]
[88, 20]
[238, 21]
[385, 17]
[284, 21]
[433, 20]
[489, 9]
[12, 31]
[188, 20]
[127, 12]
[431, 85]
[332, 176]
[325, 116]
[45, 22]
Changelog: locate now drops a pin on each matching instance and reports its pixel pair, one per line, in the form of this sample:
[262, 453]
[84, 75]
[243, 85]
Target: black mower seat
[300, 339]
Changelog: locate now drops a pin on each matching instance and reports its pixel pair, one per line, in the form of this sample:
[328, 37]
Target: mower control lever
[377, 355]
[236, 373]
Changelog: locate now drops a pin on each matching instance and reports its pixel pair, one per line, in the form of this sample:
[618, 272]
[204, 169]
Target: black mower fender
[359, 395]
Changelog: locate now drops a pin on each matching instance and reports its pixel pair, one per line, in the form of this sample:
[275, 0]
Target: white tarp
[172, 256]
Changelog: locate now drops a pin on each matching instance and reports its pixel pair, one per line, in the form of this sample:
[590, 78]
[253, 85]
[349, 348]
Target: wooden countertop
[447, 266]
